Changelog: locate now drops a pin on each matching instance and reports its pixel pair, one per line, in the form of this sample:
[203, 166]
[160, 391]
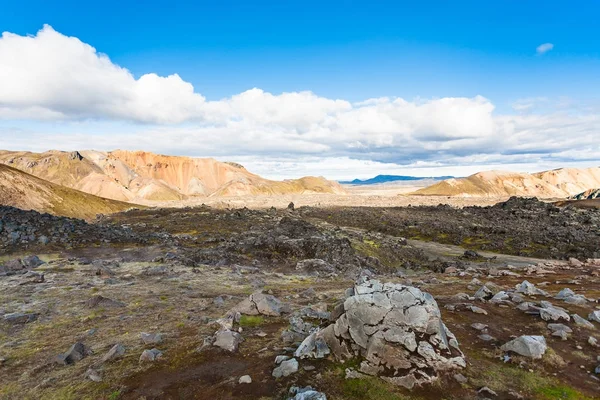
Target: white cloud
[95, 103]
[544, 48]
[52, 75]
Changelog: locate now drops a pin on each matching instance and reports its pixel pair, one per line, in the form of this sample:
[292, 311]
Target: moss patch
[251, 321]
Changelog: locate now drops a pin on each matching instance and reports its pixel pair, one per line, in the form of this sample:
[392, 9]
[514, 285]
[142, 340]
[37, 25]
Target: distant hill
[22, 190]
[392, 178]
[557, 183]
[143, 176]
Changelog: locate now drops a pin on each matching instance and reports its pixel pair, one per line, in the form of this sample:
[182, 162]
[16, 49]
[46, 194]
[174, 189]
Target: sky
[288, 88]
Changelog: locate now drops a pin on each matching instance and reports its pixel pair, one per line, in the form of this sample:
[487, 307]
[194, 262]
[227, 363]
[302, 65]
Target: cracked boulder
[396, 332]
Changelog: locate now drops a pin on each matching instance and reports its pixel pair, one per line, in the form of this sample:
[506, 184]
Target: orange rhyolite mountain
[22, 190]
[556, 183]
[138, 175]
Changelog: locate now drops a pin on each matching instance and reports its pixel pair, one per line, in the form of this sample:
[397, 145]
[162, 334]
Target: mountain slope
[25, 191]
[562, 182]
[138, 175]
[587, 195]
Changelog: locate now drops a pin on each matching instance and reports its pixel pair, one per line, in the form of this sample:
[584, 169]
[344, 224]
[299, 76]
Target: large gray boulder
[397, 330]
[228, 340]
[528, 346]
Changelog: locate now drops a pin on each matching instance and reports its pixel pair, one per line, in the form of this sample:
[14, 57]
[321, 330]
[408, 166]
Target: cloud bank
[51, 80]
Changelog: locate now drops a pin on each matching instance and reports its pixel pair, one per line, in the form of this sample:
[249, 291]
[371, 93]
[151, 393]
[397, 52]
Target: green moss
[560, 392]
[504, 377]
[250, 321]
[371, 243]
[370, 389]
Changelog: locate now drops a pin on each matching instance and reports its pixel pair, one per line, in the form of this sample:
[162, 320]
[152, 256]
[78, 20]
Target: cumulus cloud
[55, 76]
[100, 105]
[544, 48]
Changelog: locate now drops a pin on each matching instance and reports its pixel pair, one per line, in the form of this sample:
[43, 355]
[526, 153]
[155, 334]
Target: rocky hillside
[25, 191]
[557, 183]
[132, 176]
[587, 195]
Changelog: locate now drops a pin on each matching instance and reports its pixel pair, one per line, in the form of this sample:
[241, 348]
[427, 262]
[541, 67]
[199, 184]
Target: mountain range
[557, 183]
[392, 178]
[138, 176]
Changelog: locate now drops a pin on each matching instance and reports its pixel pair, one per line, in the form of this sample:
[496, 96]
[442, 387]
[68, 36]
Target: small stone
[150, 355]
[478, 326]
[93, 375]
[77, 352]
[245, 379]
[478, 310]
[280, 359]
[582, 322]
[228, 340]
[19, 318]
[286, 368]
[460, 378]
[594, 316]
[151, 338]
[487, 391]
[593, 341]
[115, 352]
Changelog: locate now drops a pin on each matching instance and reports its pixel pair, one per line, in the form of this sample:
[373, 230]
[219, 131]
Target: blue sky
[352, 51]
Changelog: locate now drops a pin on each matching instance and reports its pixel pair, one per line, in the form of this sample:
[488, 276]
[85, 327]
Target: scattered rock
[483, 293]
[486, 391]
[150, 355]
[529, 289]
[93, 375]
[151, 338]
[19, 318]
[582, 322]
[594, 316]
[245, 379]
[76, 353]
[259, 303]
[477, 310]
[115, 352]
[460, 378]
[286, 368]
[528, 346]
[306, 393]
[228, 340]
[478, 326]
[31, 262]
[101, 301]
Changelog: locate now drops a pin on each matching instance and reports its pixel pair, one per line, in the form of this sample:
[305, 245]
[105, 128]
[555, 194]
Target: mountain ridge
[391, 178]
[137, 176]
[556, 183]
[28, 192]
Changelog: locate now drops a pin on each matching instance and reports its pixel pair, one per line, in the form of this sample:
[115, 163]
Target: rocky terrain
[496, 302]
[558, 183]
